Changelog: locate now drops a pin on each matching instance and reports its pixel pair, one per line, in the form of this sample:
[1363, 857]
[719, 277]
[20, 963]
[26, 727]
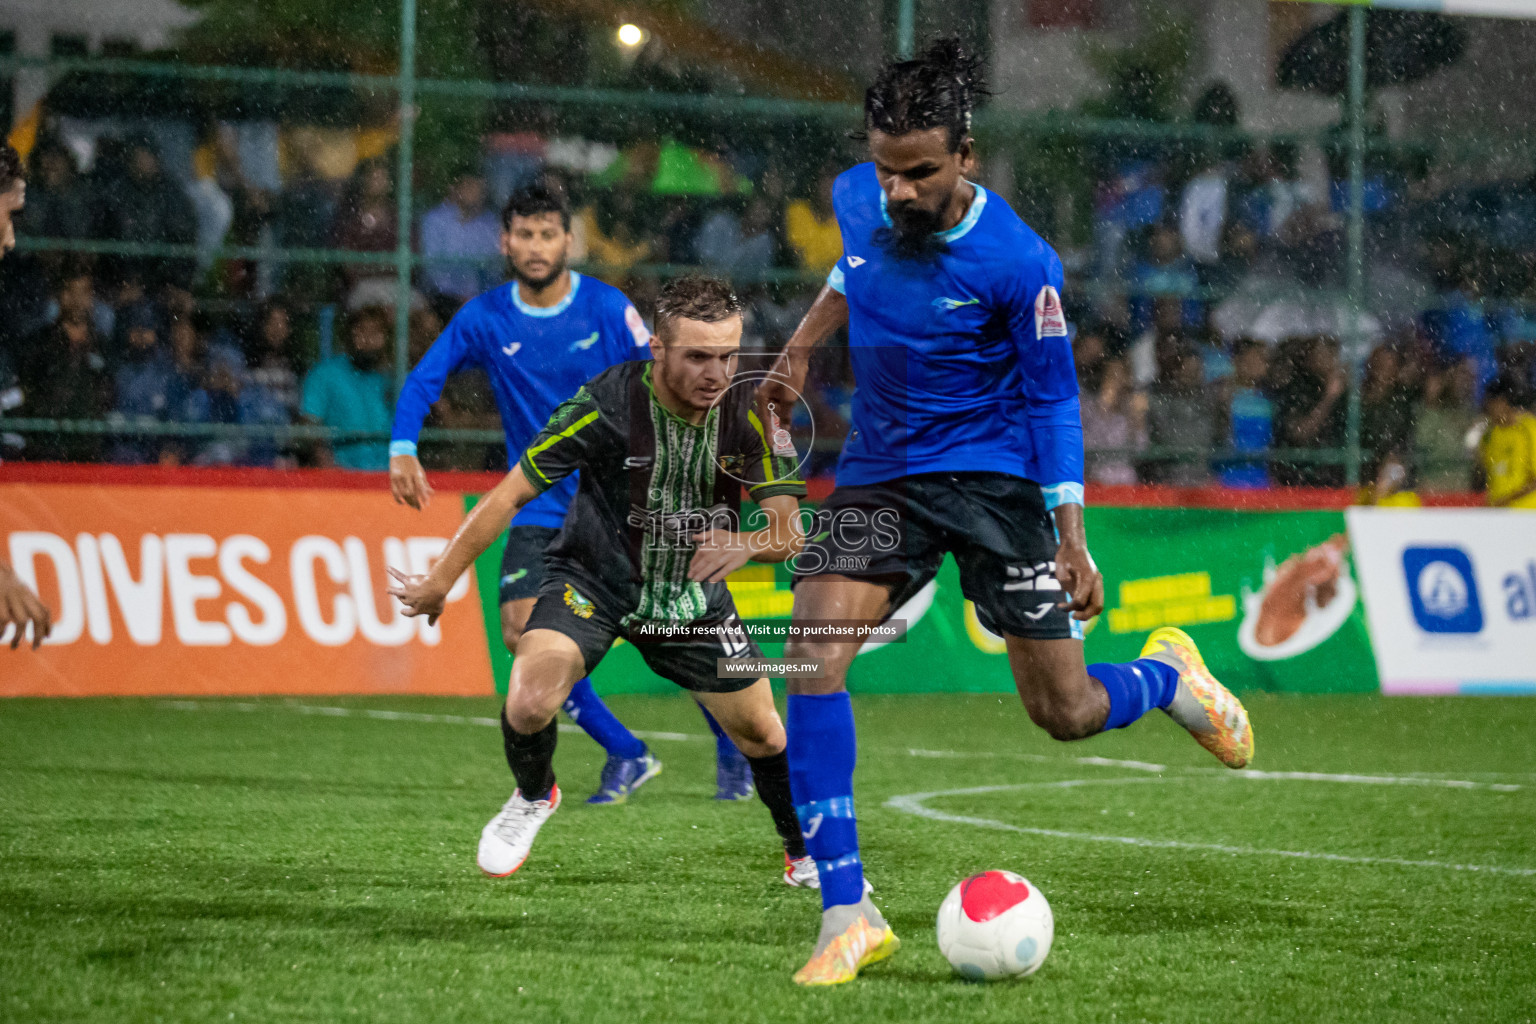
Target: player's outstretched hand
[19, 607]
[418, 594]
[720, 553]
[1080, 578]
[408, 482]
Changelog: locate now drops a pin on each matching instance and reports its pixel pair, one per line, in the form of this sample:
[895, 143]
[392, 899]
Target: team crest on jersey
[579, 605]
[778, 437]
[1050, 320]
[636, 326]
[732, 465]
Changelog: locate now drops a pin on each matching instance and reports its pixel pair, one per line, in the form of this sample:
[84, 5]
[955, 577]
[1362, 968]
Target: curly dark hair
[694, 297]
[936, 90]
[534, 199]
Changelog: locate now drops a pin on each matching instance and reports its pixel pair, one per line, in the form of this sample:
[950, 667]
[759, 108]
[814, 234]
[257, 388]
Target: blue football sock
[822, 751]
[587, 710]
[725, 750]
[1134, 688]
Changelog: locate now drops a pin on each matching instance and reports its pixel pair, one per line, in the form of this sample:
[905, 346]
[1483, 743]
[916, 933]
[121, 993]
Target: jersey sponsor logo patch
[511, 350]
[579, 605]
[1050, 320]
[582, 344]
[778, 437]
[947, 305]
[855, 261]
[636, 326]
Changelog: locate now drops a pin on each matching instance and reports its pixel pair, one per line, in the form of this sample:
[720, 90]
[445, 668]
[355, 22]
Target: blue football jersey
[961, 363]
[535, 358]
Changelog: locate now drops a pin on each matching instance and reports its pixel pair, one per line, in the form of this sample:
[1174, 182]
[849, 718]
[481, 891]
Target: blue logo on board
[1443, 590]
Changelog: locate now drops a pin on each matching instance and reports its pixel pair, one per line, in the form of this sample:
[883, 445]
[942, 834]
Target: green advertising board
[1270, 597]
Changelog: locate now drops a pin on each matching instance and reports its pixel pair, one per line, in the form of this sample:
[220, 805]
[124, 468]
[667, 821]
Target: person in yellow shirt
[1509, 447]
[811, 229]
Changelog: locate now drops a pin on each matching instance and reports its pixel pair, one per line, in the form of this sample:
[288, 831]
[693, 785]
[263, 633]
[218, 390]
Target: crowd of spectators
[1206, 350]
[1277, 415]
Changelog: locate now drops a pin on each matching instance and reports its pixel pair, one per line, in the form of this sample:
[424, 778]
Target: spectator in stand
[143, 204]
[463, 228]
[304, 216]
[1148, 349]
[1310, 411]
[1114, 423]
[609, 225]
[142, 382]
[1387, 393]
[62, 372]
[352, 392]
[1247, 416]
[203, 389]
[58, 202]
[1165, 274]
[1459, 327]
[269, 395]
[367, 221]
[1508, 449]
[738, 246]
[1441, 426]
[1181, 414]
[1131, 199]
[811, 229]
[1205, 203]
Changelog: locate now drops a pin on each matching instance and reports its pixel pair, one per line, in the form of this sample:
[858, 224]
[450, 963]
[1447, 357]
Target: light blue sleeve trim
[1062, 494]
[835, 280]
[402, 448]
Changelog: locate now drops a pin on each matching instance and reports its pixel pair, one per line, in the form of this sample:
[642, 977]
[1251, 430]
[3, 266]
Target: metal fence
[995, 128]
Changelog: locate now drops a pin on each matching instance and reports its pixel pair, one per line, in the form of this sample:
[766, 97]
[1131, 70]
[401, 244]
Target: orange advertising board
[233, 590]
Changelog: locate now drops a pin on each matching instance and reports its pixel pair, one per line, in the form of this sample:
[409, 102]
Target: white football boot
[801, 873]
[507, 838]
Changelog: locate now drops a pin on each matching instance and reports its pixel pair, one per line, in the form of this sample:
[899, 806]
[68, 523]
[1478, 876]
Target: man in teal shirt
[352, 392]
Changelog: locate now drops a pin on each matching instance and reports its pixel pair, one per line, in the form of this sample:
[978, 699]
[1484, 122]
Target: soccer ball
[995, 925]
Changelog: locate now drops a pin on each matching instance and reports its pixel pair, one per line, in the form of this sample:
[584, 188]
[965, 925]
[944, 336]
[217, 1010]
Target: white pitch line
[1104, 762]
[381, 714]
[913, 803]
[1373, 780]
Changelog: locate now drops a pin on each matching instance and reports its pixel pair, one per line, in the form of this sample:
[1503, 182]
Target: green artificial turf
[220, 861]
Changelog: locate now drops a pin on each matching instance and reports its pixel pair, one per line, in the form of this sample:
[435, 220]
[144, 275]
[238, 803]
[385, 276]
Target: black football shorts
[896, 534]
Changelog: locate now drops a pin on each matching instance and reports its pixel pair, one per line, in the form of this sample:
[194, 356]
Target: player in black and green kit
[665, 449]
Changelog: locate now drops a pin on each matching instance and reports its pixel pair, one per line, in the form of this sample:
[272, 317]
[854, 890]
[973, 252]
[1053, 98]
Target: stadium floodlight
[630, 35]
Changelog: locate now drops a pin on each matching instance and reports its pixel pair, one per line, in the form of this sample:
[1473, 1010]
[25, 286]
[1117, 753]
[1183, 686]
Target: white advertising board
[1450, 597]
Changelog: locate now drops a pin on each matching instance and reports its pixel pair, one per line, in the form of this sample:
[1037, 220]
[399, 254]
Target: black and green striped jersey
[649, 481]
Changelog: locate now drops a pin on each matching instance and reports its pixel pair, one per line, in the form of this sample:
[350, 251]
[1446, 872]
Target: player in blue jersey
[539, 338]
[965, 438]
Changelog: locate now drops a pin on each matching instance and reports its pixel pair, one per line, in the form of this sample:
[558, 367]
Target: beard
[537, 283]
[913, 232]
[368, 361]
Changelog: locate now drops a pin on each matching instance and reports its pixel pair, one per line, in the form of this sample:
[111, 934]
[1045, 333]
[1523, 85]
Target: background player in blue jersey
[966, 438]
[539, 338]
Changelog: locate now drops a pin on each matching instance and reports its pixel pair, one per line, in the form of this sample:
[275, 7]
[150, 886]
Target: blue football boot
[622, 776]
